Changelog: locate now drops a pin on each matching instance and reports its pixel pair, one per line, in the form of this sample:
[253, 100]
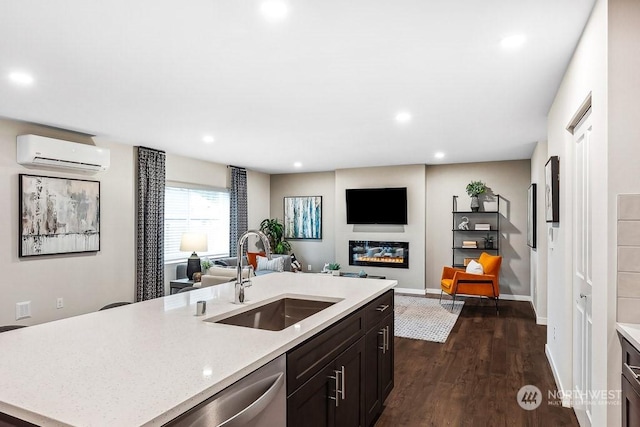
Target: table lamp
[193, 242]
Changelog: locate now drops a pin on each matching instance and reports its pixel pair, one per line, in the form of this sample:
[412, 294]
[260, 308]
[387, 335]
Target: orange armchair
[457, 281]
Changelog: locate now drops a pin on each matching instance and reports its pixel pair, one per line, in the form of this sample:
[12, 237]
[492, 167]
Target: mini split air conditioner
[39, 151]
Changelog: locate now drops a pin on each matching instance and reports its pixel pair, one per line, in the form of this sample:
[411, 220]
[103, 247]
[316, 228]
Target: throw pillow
[474, 267]
[251, 258]
[221, 263]
[276, 264]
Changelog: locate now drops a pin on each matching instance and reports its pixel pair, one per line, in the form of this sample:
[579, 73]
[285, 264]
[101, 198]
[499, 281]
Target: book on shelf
[483, 227]
[469, 244]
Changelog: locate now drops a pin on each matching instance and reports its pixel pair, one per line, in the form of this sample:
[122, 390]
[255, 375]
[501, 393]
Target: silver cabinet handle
[343, 392]
[387, 336]
[336, 387]
[383, 332]
[632, 369]
[382, 307]
[245, 415]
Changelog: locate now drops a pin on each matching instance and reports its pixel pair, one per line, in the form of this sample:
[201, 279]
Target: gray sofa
[222, 270]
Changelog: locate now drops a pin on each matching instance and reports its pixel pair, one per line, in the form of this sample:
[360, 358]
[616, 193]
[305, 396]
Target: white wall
[511, 180]
[308, 252]
[85, 281]
[412, 177]
[587, 73]
[539, 254]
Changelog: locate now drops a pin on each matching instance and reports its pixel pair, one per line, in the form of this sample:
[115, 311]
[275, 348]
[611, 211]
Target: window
[199, 211]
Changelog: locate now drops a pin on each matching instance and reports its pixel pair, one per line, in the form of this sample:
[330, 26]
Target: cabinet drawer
[378, 309]
[631, 358]
[304, 361]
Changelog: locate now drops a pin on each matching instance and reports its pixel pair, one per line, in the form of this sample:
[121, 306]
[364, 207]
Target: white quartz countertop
[631, 331]
[146, 363]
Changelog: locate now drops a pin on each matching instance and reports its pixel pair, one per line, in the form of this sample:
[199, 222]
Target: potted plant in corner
[474, 189]
[334, 268]
[274, 230]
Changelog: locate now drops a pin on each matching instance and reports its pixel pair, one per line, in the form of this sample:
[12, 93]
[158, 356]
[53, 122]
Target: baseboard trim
[410, 291]
[541, 320]
[507, 297]
[566, 400]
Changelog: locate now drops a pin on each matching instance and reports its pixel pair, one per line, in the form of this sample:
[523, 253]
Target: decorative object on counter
[201, 308]
[552, 190]
[464, 225]
[362, 274]
[197, 277]
[488, 241]
[424, 319]
[274, 230]
[58, 215]
[474, 189]
[303, 217]
[193, 242]
[334, 268]
[531, 216]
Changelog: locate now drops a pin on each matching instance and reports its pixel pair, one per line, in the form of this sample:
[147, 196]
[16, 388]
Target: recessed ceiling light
[208, 139]
[274, 10]
[513, 41]
[21, 78]
[403, 117]
[297, 165]
[439, 155]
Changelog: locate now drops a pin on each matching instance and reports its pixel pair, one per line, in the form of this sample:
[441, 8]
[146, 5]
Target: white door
[582, 279]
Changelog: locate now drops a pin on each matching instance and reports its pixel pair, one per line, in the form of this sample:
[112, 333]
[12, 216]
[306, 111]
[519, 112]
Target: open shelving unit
[492, 218]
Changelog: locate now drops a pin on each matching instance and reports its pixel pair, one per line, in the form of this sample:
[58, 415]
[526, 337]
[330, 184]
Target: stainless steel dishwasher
[257, 400]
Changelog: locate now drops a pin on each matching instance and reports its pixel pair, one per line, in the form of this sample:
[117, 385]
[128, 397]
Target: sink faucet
[240, 282]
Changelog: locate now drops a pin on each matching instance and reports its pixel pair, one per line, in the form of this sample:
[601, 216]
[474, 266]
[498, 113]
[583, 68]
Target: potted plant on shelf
[474, 189]
[206, 265]
[274, 230]
[334, 268]
[488, 241]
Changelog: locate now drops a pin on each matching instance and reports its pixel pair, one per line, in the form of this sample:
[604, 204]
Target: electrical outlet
[23, 310]
[308, 267]
[60, 303]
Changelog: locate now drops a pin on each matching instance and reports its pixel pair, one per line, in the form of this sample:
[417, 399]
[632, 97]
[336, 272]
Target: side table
[177, 284]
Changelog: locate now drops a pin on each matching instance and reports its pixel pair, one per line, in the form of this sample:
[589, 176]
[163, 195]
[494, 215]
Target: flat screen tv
[377, 205]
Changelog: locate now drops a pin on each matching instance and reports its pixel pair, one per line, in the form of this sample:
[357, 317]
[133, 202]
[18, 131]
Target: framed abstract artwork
[58, 215]
[303, 217]
[531, 216]
[552, 190]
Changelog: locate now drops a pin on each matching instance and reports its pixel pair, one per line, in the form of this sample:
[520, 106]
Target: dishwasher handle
[248, 413]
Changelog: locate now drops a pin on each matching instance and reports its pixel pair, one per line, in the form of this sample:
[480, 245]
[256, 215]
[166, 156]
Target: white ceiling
[321, 87]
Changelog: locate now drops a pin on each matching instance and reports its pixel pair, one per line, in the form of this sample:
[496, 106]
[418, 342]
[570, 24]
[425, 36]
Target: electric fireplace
[370, 253]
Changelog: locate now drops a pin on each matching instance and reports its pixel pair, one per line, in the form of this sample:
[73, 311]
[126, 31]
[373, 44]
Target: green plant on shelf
[205, 264]
[333, 266]
[475, 188]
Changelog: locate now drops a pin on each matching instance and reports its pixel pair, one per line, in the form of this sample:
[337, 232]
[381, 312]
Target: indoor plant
[488, 241]
[474, 189]
[274, 230]
[334, 268]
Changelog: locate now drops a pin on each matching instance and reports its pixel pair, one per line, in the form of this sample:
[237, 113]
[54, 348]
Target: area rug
[424, 318]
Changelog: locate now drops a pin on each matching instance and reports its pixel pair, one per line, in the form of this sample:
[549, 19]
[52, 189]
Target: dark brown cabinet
[630, 384]
[379, 361]
[341, 376]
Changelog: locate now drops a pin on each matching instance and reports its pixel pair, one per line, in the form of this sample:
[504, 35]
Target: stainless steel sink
[276, 315]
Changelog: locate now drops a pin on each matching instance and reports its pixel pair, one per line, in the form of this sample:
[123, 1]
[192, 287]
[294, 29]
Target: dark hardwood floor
[473, 379]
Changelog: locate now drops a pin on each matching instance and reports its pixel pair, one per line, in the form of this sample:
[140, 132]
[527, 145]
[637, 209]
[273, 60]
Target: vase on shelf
[475, 204]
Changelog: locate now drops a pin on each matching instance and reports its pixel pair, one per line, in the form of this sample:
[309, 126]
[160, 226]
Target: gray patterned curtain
[238, 207]
[150, 224]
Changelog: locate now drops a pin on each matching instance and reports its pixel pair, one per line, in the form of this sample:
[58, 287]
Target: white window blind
[197, 211]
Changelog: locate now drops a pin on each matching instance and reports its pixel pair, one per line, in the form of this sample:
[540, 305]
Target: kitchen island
[149, 362]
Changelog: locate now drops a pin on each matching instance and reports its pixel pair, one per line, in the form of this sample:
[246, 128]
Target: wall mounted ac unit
[40, 151]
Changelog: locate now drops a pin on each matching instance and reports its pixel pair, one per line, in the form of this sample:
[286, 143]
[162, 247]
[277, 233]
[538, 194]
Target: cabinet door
[311, 405]
[350, 366]
[386, 362]
[372, 361]
[630, 405]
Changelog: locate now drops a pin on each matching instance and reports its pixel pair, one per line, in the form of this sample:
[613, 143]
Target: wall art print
[303, 217]
[58, 215]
